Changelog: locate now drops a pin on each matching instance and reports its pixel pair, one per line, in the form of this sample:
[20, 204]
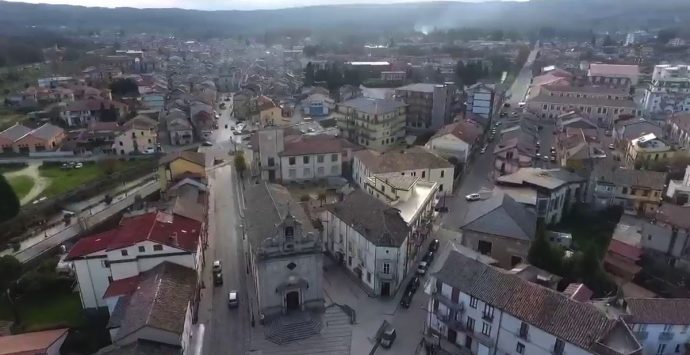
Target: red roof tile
[31, 343]
[122, 287]
[317, 144]
[634, 253]
[91, 244]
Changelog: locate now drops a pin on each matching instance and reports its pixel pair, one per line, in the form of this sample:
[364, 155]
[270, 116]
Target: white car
[240, 127]
[149, 151]
[78, 165]
[421, 268]
[233, 301]
[216, 266]
[612, 147]
[483, 150]
[473, 197]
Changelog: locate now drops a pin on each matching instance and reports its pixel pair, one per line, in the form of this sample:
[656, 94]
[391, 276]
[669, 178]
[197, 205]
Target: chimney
[173, 239]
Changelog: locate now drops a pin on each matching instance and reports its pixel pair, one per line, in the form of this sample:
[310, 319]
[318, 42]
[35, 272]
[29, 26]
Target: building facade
[669, 91]
[372, 123]
[429, 105]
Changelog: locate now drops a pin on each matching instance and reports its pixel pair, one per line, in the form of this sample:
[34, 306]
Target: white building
[415, 161]
[372, 123]
[371, 239]
[480, 100]
[481, 310]
[456, 140]
[679, 190]
[661, 325]
[318, 105]
[136, 135]
[138, 244]
[669, 90]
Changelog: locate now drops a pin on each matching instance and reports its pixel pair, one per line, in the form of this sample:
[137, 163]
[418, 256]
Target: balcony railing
[665, 336]
[641, 335]
[488, 317]
[449, 303]
[484, 339]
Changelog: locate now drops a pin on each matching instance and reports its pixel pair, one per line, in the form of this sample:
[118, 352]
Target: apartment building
[371, 239]
[136, 135]
[647, 148]
[372, 123]
[679, 130]
[625, 131]
[637, 191]
[429, 106]
[620, 75]
[456, 140]
[666, 235]
[661, 325]
[481, 99]
[478, 309]
[415, 162]
[602, 104]
[669, 90]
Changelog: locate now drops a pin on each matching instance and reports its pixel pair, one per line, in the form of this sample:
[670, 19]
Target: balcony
[459, 307]
[665, 336]
[523, 335]
[641, 335]
[484, 339]
[488, 317]
[449, 319]
[383, 276]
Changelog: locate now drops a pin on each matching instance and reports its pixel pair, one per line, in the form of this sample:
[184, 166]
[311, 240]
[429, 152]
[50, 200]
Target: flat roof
[369, 63]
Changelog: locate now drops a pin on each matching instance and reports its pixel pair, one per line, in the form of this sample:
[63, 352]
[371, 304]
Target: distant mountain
[572, 14]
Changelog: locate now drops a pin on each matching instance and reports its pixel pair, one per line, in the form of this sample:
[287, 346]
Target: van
[521, 104]
[388, 337]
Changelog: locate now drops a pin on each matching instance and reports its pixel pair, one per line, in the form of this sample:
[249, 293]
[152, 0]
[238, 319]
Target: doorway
[292, 301]
[385, 289]
[468, 342]
[452, 336]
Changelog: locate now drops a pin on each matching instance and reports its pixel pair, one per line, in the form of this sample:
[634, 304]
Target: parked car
[217, 278]
[473, 197]
[433, 246]
[611, 146]
[545, 158]
[553, 159]
[421, 268]
[207, 144]
[429, 257]
[149, 150]
[388, 337]
[413, 285]
[406, 299]
[233, 300]
[78, 165]
[483, 150]
[216, 266]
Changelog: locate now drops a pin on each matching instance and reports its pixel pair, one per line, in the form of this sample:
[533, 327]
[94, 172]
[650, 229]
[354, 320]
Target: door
[452, 336]
[292, 300]
[271, 175]
[385, 289]
[468, 342]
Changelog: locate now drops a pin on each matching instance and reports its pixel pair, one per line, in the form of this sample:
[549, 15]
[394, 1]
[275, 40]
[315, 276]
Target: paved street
[518, 90]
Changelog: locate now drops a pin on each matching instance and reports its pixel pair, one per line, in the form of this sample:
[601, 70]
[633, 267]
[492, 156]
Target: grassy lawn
[46, 312]
[65, 180]
[8, 118]
[21, 184]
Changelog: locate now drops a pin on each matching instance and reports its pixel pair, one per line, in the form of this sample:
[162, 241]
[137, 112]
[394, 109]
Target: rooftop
[588, 101]
[30, 343]
[546, 178]
[675, 215]
[418, 87]
[315, 144]
[411, 205]
[659, 310]
[613, 174]
[401, 160]
[468, 132]
[613, 70]
[503, 216]
[373, 106]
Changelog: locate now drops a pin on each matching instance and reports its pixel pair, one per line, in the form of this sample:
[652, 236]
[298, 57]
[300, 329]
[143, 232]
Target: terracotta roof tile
[31, 343]
[659, 310]
[122, 287]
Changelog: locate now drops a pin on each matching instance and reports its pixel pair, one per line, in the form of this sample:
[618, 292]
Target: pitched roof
[140, 122]
[193, 157]
[31, 343]
[589, 101]
[501, 215]
[589, 89]
[613, 70]
[160, 301]
[463, 130]
[314, 144]
[575, 322]
[395, 161]
[376, 221]
[613, 174]
[675, 215]
[173, 230]
[373, 106]
[46, 131]
[659, 310]
[419, 87]
[15, 132]
[122, 287]
[546, 178]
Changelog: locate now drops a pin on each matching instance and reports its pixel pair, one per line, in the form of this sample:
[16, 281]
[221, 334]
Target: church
[284, 253]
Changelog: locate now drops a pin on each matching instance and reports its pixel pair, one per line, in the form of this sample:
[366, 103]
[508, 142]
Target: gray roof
[140, 347]
[419, 87]
[546, 178]
[396, 161]
[15, 132]
[579, 323]
[613, 174]
[160, 301]
[501, 215]
[589, 101]
[375, 220]
[636, 128]
[267, 206]
[373, 106]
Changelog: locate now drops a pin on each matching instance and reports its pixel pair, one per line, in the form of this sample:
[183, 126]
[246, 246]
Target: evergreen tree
[9, 207]
[309, 74]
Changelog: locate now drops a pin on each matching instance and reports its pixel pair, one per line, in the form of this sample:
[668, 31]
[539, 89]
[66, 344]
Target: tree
[322, 197]
[608, 41]
[10, 271]
[665, 35]
[9, 207]
[240, 164]
[124, 87]
[309, 74]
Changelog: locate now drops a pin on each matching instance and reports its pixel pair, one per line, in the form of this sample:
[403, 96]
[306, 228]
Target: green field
[21, 184]
[63, 180]
[46, 312]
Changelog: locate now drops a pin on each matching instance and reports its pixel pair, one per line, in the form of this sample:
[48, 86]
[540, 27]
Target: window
[307, 172]
[149, 140]
[473, 302]
[677, 348]
[349, 260]
[443, 173]
[486, 329]
[320, 171]
[368, 276]
[289, 233]
[440, 187]
[319, 158]
[524, 329]
[423, 174]
[142, 249]
[124, 252]
[305, 159]
[660, 350]
[520, 348]
[470, 324]
[120, 143]
[291, 160]
[386, 268]
[292, 173]
[334, 157]
[625, 190]
[271, 161]
[667, 327]
[334, 170]
[157, 247]
[105, 264]
[488, 312]
[558, 347]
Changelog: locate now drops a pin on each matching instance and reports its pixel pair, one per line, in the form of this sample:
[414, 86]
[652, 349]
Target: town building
[551, 192]
[478, 309]
[679, 190]
[137, 136]
[395, 76]
[81, 112]
[517, 147]
[456, 141]
[24, 140]
[620, 75]
[138, 244]
[371, 239]
[647, 148]
[678, 126]
[669, 90]
[637, 191]
[268, 112]
[625, 131]
[429, 106]
[661, 325]
[317, 105]
[578, 143]
[372, 123]
[481, 101]
[666, 235]
[47, 342]
[501, 228]
[180, 130]
[624, 253]
[284, 252]
[414, 161]
[178, 165]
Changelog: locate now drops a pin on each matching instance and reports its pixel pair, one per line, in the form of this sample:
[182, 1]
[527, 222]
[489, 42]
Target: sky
[218, 4]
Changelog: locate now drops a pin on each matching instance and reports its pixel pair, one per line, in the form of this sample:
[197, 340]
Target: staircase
[292, 327]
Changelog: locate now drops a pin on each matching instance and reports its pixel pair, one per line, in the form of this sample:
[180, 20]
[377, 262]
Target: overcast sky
[216, 4]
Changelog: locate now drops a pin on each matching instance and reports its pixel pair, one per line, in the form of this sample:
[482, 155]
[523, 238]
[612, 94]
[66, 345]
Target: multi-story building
[625, 131]
[372, 123]
[666, 235]
[660, 324]
[679, 130]
[517, 148]
[620, 75]
[554, 191]
[136, 135]
[478, 309]
[371, 239]
[602, 104]
[647, 148]
[429, 106]
[679, 190]
[637, 191]
[456, 140]
[481, 99]
[669, 91]
[415, 161]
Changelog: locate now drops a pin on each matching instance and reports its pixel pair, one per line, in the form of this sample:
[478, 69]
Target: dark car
[413, 285]
[433, 246]
[406, 299]
[429, 257]
[218, 278]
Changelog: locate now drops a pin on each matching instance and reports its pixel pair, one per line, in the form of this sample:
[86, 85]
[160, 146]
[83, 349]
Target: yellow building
[181, 164]
[647, 148]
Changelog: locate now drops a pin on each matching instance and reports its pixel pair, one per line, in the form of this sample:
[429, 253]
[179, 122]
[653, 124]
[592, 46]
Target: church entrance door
[292, 300]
